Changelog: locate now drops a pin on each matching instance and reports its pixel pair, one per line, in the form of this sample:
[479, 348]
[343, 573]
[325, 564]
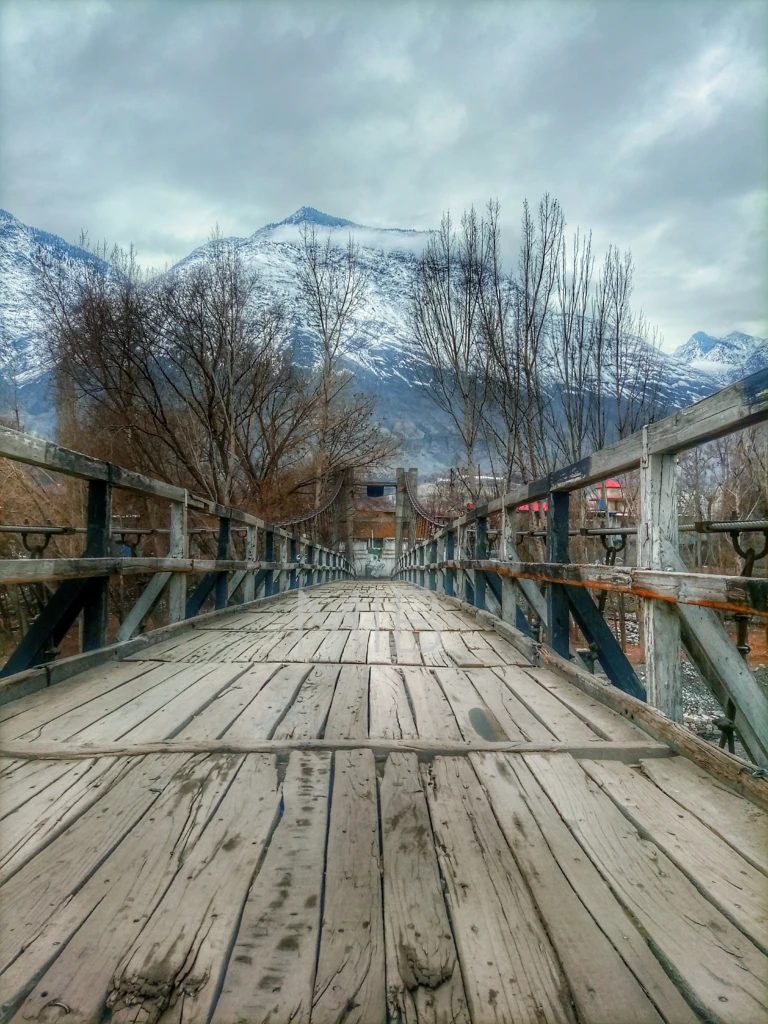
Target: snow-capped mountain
[725, 359]
[23, 352]
[383, 356]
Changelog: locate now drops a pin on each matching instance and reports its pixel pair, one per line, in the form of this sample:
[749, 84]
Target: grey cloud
[149, 122]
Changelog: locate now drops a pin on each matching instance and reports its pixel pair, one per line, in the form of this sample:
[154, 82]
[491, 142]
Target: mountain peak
[309, 215]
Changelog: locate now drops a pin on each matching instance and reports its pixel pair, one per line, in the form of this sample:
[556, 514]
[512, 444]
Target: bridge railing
[679, 607]
[277, 558]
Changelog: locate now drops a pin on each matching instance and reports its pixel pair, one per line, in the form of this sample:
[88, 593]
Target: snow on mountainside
[383, 355]
[23, 353]
[726, 359]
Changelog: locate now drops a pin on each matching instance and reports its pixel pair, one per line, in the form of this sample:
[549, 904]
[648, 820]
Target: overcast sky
[150, 122]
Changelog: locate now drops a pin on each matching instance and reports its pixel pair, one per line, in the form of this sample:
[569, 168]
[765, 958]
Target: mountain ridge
[383, 355]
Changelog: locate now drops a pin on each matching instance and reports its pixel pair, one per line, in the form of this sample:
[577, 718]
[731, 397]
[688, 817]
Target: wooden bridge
[313, 798]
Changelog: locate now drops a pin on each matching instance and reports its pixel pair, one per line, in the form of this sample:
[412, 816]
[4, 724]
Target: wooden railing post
[294, 557]
[508, 549]
[178, 547]
[222, 553]
[251, 553]
[450, 574]
[98, 544]
[310, 558]
[558, 618]
[269, 556]
[481, 551]
[659, 531]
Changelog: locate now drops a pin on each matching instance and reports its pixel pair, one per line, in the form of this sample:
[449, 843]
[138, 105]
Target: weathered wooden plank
[44, 885]
[407, 647]
[28, 783]
[45, 705]
[379, 648]
[602, 985]
[116, 902]
[726, 593]
[431, 648]
[356, 648]
[213, 720]
[658, 530]
[740, 823]
[71, 724]
[513, 716]
[434, 718]
[423, 974]
[306, 647]
[124, 719]
[597, 897]
[309, 711]
[348, 717]
[349, 984]
[39, 820]
[271, 971]
[479, 644]
[475, 719]
[565, 724]
[390, 713]
[734, 771]
[330, 650]
[509, 655]
[263, 714]
[601, 719]
[460, 654]
[731, 883]
[510, 969]
[173, 967]
[628, 753]
[180, 709]
[721, 972]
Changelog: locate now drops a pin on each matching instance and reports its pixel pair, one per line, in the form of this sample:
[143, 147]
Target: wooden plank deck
[302, 812]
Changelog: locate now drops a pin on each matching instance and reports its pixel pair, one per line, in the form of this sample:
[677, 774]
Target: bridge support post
[251, 551]
[98, 545]
[222, 553]
[659, 530]
[558, 617]
[450, 553]
[510, 610]
[481, 551]
[178, 548]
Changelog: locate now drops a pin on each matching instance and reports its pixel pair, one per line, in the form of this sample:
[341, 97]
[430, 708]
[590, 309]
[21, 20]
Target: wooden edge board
[31, 680]
[630, 753]
[735, 772]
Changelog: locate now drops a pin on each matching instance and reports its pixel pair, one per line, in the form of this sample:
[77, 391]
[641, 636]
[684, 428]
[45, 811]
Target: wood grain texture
[511, 970]
[513, 716]
[390, 712]
[348, 717]
[739, 822]
[721, 972]
[350, 980]
[172, 969]
[563, 722]
[36, 823]
[423, 975]
[475, 719]
[271, 970]
[434, 717]
[730, 882]
[599, 980]
[309, 711]
[595, 894]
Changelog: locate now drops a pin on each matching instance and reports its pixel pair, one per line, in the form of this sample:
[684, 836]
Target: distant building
[374, 534]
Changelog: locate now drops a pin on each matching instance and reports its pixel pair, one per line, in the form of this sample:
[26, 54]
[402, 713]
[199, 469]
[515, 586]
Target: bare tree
[445, 318]
[333, 284]
[624, 353]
